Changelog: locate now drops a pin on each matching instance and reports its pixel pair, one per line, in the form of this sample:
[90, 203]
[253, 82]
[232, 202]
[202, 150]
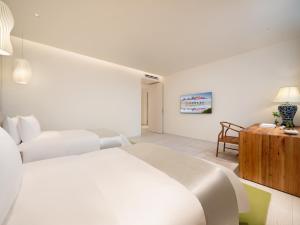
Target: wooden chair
[226, 139]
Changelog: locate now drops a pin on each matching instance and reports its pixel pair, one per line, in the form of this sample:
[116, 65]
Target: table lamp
[287, 96]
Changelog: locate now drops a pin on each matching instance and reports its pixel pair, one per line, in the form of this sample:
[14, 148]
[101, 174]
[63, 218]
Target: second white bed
[52, 144]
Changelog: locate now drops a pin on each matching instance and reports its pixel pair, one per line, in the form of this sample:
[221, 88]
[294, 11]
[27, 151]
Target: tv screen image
[196, 103]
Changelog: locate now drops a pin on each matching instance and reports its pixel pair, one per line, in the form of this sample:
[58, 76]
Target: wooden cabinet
[270, 157]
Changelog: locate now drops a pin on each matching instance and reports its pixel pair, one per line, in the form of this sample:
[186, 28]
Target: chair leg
[224, 146]
[217, 153]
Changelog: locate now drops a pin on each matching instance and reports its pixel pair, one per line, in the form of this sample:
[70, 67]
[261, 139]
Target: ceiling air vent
[151, 77]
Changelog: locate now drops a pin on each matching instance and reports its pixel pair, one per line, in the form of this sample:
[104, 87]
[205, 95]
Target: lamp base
[287, 112]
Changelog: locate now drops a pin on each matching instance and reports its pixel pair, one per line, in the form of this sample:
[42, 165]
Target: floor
[195, 147]
[284, 208]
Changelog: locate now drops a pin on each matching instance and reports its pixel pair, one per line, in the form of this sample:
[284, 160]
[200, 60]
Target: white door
[155, 107]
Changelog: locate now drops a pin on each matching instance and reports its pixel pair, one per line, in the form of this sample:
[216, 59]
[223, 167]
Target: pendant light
[22, 71]
[6, 26]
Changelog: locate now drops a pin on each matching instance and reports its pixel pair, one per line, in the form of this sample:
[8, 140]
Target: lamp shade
[22, 71]
[6, 26]
[288, 94]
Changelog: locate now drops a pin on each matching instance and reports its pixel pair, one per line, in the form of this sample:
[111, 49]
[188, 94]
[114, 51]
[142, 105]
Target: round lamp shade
[22, 71]
[6, 26]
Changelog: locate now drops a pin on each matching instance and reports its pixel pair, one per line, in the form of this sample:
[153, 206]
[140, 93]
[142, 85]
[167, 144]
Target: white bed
[109, 187]
[36, 144]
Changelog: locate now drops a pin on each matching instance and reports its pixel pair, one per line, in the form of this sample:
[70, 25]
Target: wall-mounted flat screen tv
[197, 103]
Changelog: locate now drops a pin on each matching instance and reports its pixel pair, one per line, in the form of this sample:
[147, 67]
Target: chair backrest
[228, 126]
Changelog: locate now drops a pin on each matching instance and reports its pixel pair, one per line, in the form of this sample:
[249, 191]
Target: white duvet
[50, 144]
[108, 187]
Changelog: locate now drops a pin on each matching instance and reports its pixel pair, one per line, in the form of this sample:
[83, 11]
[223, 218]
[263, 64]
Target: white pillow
[10, 173]
[11, 127]
[29, 128]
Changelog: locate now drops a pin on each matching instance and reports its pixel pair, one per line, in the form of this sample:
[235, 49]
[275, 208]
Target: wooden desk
[270, 157]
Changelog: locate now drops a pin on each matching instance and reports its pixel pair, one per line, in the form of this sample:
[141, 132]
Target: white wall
[243, 89]
[69, 91]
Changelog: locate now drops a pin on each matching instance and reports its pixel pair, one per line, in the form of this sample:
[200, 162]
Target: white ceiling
[158, 36]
